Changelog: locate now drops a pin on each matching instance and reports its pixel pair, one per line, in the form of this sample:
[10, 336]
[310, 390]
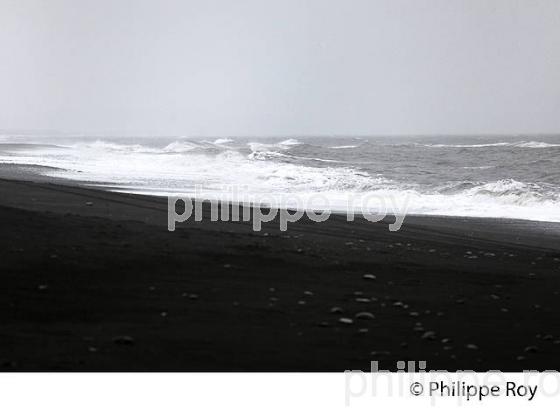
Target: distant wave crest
[220, 141]
[520, 144]
[290, 141]
[536, 144]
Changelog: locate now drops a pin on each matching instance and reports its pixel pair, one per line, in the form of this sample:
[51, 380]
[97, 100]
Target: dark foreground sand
[92, 280]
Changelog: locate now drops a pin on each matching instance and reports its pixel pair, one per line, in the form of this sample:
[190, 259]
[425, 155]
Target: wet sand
[92, 280]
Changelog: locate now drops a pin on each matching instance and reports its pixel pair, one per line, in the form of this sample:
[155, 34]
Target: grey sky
[223, 67]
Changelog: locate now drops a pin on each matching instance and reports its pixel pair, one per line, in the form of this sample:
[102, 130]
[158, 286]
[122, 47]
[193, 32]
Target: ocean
[499, 177]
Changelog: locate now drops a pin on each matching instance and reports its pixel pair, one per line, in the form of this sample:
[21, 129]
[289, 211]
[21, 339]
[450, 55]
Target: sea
[515, 177]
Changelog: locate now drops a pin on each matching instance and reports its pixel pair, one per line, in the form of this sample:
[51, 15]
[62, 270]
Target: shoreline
[93, 281]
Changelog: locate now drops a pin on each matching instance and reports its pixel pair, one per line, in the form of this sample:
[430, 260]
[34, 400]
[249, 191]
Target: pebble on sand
[362, 300]
[301, 302]
[531, 349]
[429, 335]
[414, 314]
[193, 296]
[471, 346]
[124, 340]
[89, 203]
[308, 293]
[336, 309]
[346, 320]
[363, 330]
[42, 287]
[369, 277]
[163, 314]
[365, 316]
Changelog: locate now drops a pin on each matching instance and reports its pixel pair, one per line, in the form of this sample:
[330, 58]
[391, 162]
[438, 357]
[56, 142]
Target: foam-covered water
[490, 177]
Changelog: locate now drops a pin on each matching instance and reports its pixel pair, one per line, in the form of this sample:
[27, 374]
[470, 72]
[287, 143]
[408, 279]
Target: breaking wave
[271, 170]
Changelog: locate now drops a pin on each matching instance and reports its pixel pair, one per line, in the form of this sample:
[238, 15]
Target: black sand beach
[93, 281]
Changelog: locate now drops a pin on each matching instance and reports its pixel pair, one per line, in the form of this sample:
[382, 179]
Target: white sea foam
[180, 146]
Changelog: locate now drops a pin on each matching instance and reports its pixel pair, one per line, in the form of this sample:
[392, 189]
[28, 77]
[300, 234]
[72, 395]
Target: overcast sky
[224, 67]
